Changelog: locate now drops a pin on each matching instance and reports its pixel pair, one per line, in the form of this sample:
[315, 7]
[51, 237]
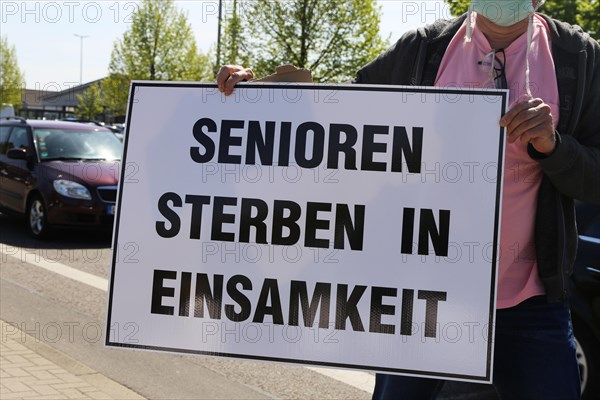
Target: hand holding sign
[530, 121]
[231, 75]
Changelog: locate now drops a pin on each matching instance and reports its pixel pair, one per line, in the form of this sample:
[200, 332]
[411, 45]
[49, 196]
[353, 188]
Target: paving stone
[16, 359]
[15, 385]
[32, 372]
[42, 374]
[67, 377]
[19, 395]
[47, 397]
[32, 380]
[40, 361]
[14, 345]
[71, 385]
[98, 395]
[73, 394]
[44, 389]
[47, 368]
[15, 372]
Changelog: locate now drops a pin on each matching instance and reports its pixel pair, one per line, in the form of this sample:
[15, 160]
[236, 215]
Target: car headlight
[72, 189]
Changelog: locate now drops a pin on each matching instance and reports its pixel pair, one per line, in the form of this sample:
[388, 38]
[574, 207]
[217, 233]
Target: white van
[6, 110]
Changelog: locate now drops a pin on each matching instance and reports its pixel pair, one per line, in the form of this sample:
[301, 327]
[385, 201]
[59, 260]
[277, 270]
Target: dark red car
[58, 174]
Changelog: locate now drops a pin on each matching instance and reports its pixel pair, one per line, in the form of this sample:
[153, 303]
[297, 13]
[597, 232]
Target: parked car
[58, 174]
[585, 299]
[116, 129]
[6, 110]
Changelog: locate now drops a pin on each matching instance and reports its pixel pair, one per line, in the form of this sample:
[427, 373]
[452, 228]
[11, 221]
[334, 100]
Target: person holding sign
[552, 71]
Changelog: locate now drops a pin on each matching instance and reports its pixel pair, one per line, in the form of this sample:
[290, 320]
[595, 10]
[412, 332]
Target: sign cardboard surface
[347, 226]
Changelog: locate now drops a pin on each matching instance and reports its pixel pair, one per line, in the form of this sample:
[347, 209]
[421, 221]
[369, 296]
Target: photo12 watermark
[55, 12]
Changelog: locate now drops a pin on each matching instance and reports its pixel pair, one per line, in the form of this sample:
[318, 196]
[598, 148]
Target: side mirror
[17, 154]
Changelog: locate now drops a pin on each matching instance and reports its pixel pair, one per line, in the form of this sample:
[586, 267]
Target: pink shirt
[517, 276]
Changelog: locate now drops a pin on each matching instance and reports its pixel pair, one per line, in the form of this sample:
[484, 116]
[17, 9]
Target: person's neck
[500, 37]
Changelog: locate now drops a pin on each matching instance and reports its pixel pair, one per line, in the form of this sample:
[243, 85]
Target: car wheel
[37, 221]
[588, 357]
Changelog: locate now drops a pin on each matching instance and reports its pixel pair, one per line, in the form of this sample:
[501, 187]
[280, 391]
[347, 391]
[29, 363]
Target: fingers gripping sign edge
[518, 108]
[531, 121]
[231, 75]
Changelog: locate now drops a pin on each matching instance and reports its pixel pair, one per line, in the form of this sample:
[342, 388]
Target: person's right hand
[230, 75]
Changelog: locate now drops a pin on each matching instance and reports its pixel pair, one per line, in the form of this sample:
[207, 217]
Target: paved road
[68, 316]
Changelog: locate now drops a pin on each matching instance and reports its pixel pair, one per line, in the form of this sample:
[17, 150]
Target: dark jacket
[571, 172]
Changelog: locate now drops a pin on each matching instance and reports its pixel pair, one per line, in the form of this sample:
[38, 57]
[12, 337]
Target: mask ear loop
[529, 41]
[469, 34]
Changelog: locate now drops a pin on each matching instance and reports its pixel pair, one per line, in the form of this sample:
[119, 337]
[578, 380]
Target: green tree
[589, 17]
[11, 78]
[90, 103]
[159, 45]
[565, 10]
[458, 7]
[114, 94]
[585, 13]
[331, 38]
[206, 67]
[233, 48]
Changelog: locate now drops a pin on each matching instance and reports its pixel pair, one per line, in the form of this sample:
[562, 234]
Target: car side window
[4, 132]
[18, 139]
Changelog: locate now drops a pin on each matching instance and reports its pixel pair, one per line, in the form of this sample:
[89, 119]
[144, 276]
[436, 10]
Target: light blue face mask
[505, 12]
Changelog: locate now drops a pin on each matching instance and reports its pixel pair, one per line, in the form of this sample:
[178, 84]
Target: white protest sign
[347, 226]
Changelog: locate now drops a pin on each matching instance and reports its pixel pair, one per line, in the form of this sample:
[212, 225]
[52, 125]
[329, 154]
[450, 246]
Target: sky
[49, 52]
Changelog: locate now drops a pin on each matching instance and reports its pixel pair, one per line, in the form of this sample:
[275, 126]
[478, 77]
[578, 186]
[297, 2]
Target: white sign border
[502, 93]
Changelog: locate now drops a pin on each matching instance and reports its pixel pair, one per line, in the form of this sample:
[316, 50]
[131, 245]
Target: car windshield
[64, 144]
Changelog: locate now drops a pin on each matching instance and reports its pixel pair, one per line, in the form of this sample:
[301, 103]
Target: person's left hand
[530, 121]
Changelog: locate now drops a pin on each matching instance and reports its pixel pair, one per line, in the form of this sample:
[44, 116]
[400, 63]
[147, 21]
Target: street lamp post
[220, 21]
[81, 37]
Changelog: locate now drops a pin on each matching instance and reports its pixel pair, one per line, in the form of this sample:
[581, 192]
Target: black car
[585, 299]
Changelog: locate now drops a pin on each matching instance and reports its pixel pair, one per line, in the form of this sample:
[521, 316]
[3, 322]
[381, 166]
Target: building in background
[44, 104]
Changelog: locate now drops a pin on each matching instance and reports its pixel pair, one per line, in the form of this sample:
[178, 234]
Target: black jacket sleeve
[574, 167]
[395, 66]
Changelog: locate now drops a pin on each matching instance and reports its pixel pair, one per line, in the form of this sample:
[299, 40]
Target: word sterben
[288, 220]
[306, 142]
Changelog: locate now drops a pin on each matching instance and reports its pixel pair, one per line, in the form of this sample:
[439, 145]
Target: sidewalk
[30, 369]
